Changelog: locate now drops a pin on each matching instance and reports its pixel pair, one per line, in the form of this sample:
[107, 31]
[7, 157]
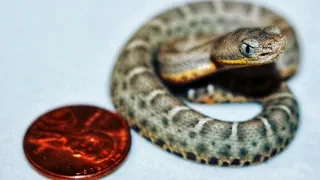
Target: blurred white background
[54, 53]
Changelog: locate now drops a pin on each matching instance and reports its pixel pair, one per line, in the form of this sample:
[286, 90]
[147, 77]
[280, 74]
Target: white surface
[60, 52]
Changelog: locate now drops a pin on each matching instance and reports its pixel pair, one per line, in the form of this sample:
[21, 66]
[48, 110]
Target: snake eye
[247, 50]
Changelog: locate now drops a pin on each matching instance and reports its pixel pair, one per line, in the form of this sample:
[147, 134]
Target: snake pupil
[248, 49]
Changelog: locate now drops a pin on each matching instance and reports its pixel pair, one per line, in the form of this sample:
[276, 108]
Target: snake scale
[141, 96]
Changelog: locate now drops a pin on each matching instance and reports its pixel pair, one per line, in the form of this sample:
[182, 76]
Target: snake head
[263, 45]
[250, 46]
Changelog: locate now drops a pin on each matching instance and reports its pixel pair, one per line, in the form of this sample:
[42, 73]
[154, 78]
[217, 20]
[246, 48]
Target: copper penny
[77, 142]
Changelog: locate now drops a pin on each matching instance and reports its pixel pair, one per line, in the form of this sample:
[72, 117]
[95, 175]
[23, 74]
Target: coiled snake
[210, 52]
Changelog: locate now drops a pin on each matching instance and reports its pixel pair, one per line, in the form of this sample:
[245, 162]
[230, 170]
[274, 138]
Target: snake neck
[185, 60]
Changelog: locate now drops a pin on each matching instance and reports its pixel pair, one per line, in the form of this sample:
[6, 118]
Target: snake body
[143, 99]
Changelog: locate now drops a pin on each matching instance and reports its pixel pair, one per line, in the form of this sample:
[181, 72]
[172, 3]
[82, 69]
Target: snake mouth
[264, 54]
